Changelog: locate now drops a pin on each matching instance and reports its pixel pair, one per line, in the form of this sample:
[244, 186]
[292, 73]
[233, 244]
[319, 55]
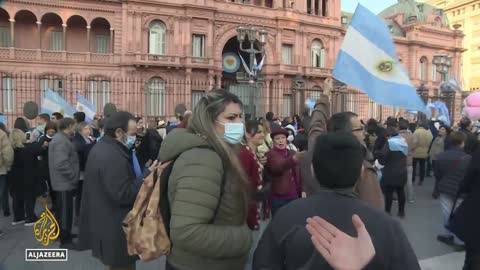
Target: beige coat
[408, 136]
[422, 140]
[6, 153]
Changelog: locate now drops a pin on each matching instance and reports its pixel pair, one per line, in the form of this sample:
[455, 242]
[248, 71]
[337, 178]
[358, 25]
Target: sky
[376, 6]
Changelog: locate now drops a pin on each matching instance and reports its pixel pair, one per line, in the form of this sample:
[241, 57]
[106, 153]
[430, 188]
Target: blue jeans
[277, 204]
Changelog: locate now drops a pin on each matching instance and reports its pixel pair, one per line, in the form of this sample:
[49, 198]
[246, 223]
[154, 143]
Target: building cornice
[426, 44]
[66, 4]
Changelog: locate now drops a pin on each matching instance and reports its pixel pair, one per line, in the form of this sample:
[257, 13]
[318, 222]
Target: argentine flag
[52, 102]
[84, 105]
[368, 61]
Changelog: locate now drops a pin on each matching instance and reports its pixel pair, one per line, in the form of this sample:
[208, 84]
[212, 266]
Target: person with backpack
[207, 188]
[109, 192]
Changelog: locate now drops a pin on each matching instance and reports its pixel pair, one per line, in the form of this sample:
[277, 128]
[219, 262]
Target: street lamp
[252, 32]
[443, 63]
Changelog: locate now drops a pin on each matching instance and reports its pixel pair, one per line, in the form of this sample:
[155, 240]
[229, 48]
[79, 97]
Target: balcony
[17, 54]
[146, 59]
[290, 69]
[199, 62]
[317, 72]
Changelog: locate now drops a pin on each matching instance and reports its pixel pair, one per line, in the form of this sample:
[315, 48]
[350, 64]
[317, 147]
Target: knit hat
[292, 128]
[278, 131]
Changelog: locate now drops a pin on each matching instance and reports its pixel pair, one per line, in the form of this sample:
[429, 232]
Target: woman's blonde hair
[17, 138]
[202, 122]
[266, 126]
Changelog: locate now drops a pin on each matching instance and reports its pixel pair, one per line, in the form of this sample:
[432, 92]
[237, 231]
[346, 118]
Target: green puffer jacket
[194, 191]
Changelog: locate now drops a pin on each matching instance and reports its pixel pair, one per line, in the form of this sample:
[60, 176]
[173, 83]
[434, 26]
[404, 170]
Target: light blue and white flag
[368, 61]
[52, 102]
[84, 105]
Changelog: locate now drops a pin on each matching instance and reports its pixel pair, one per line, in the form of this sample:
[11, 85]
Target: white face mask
[290, 138]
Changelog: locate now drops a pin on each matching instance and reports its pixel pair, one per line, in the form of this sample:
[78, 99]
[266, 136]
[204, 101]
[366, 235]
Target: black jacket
[109, 191]
[23, 175]
[471, 144]
[83, 149]
[467, 220]
[286, 243]
[395, 171]
[149, 146]
[450, 170]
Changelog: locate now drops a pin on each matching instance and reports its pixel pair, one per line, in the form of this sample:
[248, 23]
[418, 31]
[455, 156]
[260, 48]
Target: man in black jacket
[471, 143]
[109, 192]
[337, 163]
[451, 169]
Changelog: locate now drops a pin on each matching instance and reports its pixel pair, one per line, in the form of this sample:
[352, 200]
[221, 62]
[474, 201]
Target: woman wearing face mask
[253, 167]
[292, 132]
[42, 146]
[207, 188]
[283, 168]
[83, 144]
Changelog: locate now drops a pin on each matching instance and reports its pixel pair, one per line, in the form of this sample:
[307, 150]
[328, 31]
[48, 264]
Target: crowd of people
[310, 192]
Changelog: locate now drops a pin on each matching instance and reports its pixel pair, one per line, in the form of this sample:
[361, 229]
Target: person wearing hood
[292, 133]
[392, 159]
[207, 187]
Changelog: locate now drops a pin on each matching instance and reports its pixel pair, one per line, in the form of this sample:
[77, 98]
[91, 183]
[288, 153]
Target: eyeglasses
[357, 129]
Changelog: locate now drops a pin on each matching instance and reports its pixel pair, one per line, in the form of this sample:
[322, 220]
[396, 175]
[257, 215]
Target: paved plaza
[421, 225]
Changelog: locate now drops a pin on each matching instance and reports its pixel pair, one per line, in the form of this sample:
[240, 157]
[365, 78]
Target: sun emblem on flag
[385, 66]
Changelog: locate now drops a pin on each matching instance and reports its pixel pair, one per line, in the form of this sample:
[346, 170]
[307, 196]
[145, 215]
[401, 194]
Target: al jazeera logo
[46, 230]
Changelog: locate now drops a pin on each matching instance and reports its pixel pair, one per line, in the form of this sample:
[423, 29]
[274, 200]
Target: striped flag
[84, 105]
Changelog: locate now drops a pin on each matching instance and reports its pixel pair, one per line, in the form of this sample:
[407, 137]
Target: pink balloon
[473, 112]
[473, 100]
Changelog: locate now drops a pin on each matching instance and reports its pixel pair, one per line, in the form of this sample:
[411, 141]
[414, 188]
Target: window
[98, 93]
[155, 97]
[4, 37]
[196, 96]
[8, 95]
[157, 38]
[287, 105]
[316, 92]
[434, 73]
[318, 54]
[198, 45]
[423, 69]
[287, 54]
[102, 44]
[56, 41]
[56, 85]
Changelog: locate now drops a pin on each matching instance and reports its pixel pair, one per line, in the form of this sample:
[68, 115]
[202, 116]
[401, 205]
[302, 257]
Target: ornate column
[64, 36]
[111, 41]
[39, 30]
[12, 32]
[89, 28]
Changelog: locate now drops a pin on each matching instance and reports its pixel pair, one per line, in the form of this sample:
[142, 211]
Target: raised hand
[340, 250]
[327, 86]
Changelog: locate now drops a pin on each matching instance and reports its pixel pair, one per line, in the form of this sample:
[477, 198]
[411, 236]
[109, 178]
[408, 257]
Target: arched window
[8, 95]
[53, 83]
[157, 38]
[438, 21]
[98, 92]
[422, 74]
[318, 54]
[155, 97]
[316, 92]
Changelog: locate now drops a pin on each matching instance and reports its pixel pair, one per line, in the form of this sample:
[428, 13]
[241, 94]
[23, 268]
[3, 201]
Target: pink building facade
[148, 56]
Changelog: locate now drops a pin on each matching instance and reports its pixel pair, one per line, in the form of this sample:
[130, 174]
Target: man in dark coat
[64, 174]
[109, 192]
[451, 169]
[337, 164]
[471, 143]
